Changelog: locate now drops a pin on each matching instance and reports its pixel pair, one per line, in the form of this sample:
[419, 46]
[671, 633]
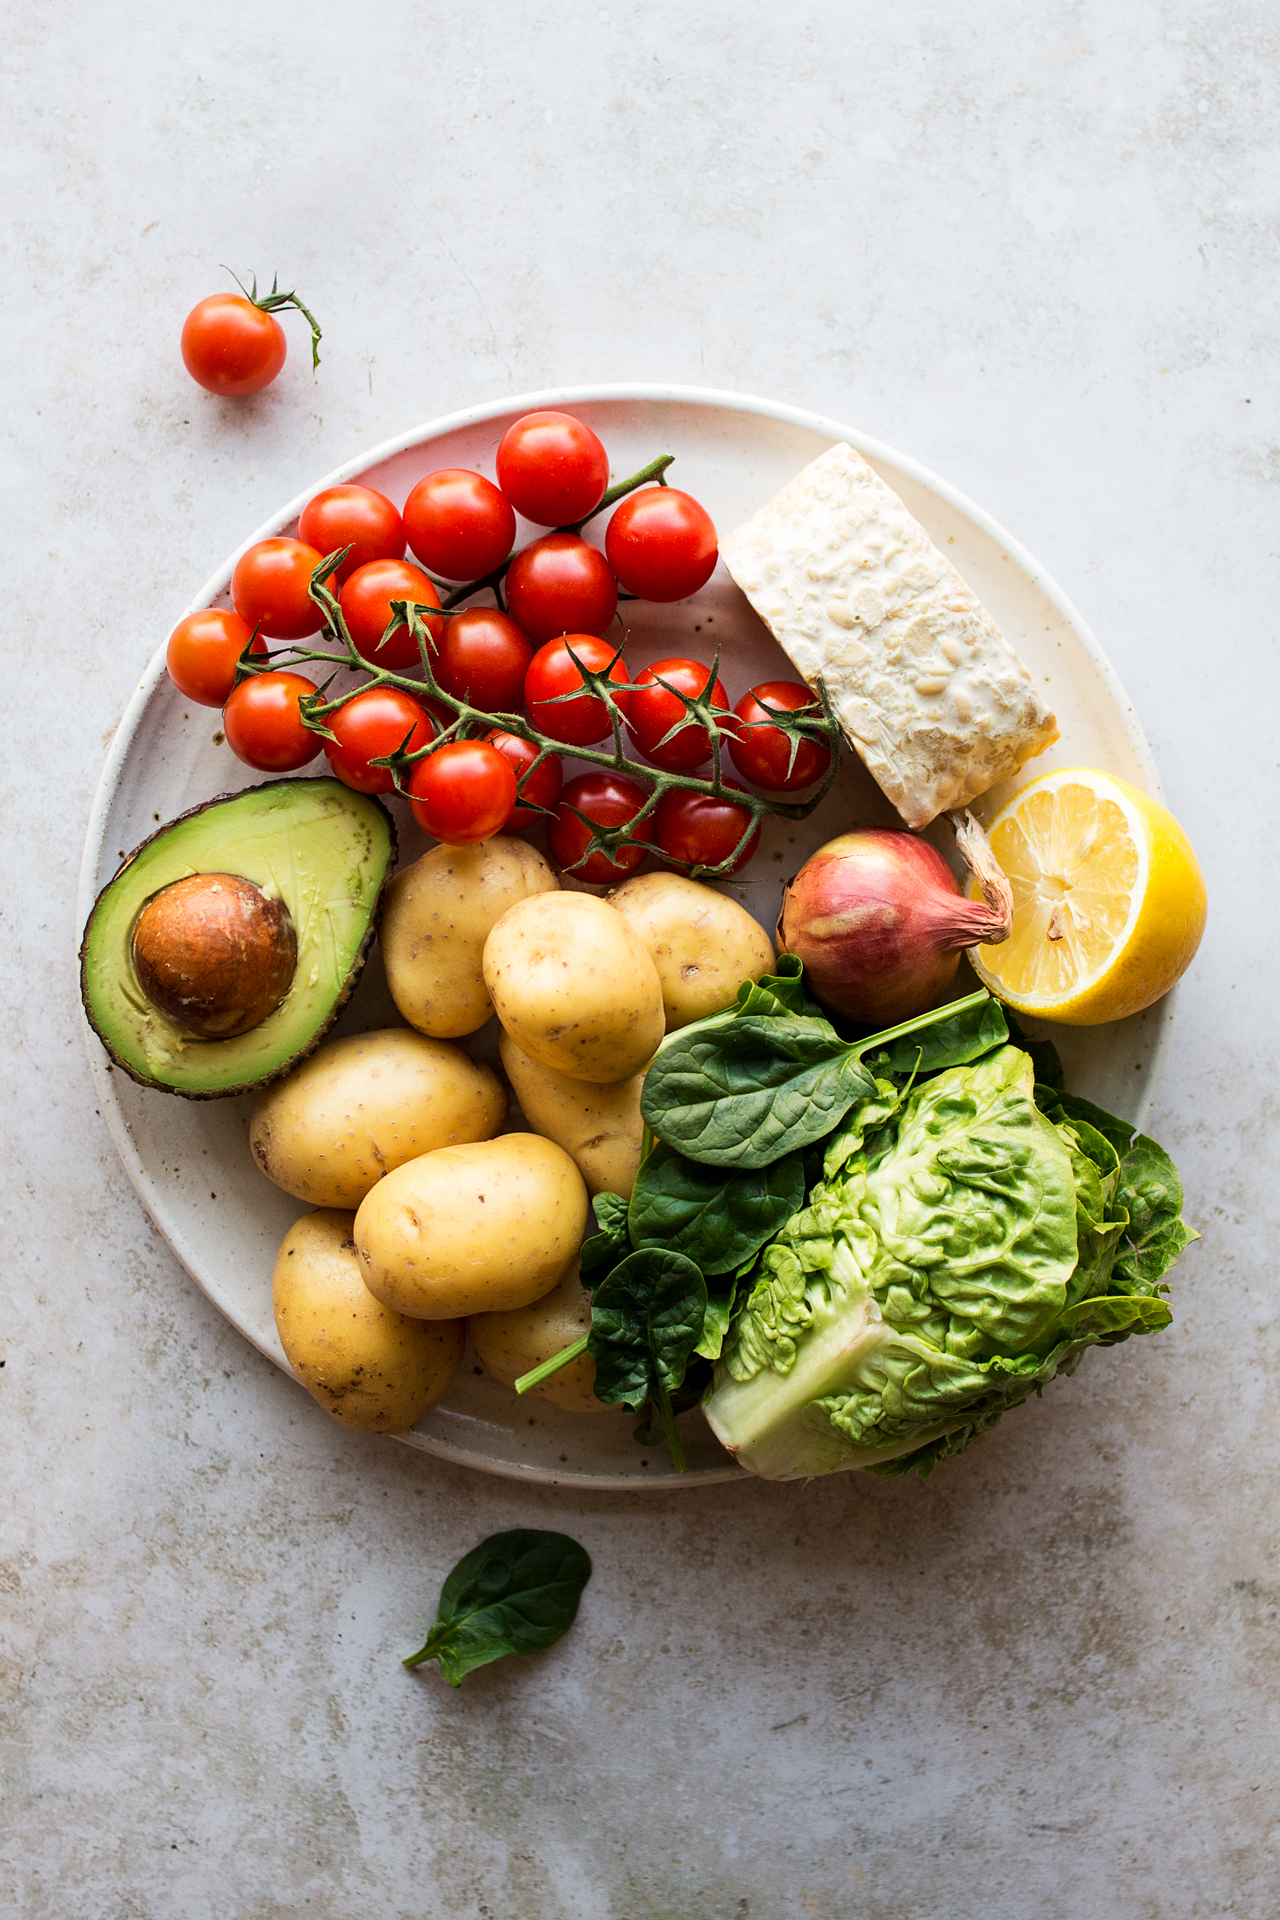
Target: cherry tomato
[661, 544]
[552, 673]
[263, 725]
[269, 587]
[375, 723]
[358, 517]
[463, 792]
[203, 652]
[459, 524]
[366, 607]
[610, 800]
[230, 346]
[699, 831]
[552, 468]
[762, 754]
[542, 787]
[652, 712]
[561, 585]
[482, 657]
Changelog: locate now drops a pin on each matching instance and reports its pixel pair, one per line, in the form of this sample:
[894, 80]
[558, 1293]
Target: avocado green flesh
[322, 848]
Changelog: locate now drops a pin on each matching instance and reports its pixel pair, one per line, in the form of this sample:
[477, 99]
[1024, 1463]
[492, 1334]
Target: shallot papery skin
[879, 922]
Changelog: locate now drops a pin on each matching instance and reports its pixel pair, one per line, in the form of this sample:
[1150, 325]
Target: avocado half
[324, 849]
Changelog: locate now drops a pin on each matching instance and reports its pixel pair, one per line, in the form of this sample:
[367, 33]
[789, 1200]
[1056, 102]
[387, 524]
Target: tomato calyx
[272, 302]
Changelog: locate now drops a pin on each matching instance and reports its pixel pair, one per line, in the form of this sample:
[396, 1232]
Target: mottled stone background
[1034, 247]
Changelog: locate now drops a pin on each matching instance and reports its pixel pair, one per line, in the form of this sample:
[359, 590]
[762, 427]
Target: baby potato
[512, 1343]
[703, 944]
[371, 1368]
[575, 987]
[472, 1229]
[362, 1106]
[599, 1126]
[435, 919]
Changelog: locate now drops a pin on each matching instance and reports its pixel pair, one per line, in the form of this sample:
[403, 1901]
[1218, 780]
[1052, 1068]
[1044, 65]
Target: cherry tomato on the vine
[366, 599]
[610, 800]
[661, 544]
[270, 588]
[697, 830]
[459, 524]
[203, 652]
[376, 722]
[263, 725]
[652, 711]
[542, 787]
[552, 468]
[482, 657]
[463, 792]
[230, 346]
[358, 517]
[762, 753]
[559, 584]
[553, 673]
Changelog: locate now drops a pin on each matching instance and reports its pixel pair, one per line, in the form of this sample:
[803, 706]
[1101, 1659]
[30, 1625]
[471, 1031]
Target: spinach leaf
[646, 1320]
[516, 1592]
[779, 993]
[717, 1220]
[605, 1248]
[954, 1041]
[744, 1093]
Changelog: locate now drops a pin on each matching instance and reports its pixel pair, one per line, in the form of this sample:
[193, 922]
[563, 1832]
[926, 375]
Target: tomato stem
[271, 302]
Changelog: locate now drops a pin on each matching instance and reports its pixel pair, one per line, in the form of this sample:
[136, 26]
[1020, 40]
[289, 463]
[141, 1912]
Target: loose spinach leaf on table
[516, 1592]
[646, 1320]
[1151, 1192]
[717, 1219]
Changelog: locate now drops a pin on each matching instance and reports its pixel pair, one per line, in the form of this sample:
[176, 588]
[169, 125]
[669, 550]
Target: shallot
[880, 923]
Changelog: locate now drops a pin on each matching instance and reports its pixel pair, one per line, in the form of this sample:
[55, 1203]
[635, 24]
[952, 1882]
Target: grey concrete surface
[1036, 248]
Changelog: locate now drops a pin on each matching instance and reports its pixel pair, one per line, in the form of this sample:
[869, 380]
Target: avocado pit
[215, 954]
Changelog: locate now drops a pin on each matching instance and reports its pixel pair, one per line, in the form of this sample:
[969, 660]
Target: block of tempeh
[926, 688]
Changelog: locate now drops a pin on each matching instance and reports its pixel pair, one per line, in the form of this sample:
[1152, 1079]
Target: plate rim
[728, 401]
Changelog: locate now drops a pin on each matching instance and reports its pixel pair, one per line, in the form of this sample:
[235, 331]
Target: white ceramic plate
[189, 1160]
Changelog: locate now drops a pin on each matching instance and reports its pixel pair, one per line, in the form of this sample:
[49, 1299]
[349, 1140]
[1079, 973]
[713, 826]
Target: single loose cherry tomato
[463, 792]
[458, 523]
[355, 517]
[652, 712]
[376, 722]
[366, 599]
[263, 725]
[554, 673]
[542, 787]
[203, 652]
[552, 468]
[559, 584]
[230, 346]
[762, 753]
[697, 830]
[661, 544]
[482, 657]
[609, 800]
[269, 587]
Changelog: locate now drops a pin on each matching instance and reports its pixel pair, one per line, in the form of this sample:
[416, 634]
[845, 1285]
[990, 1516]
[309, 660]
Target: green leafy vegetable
[954, 1258]
[605, 1248]
[967, 1032]
[516, 1592]
[742, 1090]
[720, 1221]
[646, 1320]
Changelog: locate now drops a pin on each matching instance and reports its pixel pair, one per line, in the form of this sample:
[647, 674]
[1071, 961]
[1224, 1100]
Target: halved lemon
[1108, 900]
